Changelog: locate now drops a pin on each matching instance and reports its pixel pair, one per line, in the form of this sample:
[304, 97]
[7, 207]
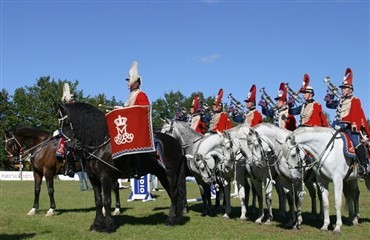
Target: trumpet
[267, 99]
[235, 102]
[293, 94]
[331, 87]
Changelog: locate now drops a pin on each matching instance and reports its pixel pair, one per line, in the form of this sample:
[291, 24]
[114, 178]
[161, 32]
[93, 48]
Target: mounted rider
[219, 121]
[136, 97]
[196, 121]
[310, 111]
[350, 118]
[253, 116]
[64, 152]
[281, 115]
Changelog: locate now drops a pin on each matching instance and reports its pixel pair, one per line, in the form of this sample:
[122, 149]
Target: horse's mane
[184, 125]
[89, 124]
[312, 130]
[28, 131]
[271, 126]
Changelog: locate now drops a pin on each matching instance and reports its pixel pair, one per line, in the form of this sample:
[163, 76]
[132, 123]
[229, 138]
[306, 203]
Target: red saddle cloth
[348, 148]
[130, 130]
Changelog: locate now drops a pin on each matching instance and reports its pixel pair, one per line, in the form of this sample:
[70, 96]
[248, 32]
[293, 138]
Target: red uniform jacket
[312, 115]
[355, 116]
[220, 122]
[253, 118]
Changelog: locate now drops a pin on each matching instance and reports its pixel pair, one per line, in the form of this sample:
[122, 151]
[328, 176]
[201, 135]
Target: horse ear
[163, 120]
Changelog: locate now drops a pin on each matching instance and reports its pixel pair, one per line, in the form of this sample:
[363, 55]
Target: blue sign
[141, 189]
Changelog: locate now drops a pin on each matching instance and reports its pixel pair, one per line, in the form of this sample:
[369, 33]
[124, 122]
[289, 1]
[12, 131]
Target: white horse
[258, 169]
[268, 137]
[189, 139]
[330, 164]
[213, 162]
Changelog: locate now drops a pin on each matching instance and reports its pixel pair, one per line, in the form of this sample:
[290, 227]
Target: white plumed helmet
[133, 74]
[67, 96]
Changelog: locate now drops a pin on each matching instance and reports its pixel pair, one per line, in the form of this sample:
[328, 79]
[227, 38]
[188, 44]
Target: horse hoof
[49, 213]
[225, 216]
[32, 212]
[116, 212]
[268, 222]
[259, 221]
[336, 232]
[243, 218]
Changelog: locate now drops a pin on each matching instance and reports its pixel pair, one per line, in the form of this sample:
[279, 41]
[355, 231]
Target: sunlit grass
[75, 213]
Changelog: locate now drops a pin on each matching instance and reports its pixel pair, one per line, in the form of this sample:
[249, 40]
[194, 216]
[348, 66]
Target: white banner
[28, 176]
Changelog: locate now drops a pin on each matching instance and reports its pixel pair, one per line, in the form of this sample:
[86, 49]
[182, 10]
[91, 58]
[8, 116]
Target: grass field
[75, 213]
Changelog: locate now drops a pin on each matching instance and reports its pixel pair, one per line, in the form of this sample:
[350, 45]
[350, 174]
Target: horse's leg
[282, 199]
[312, 191]
[38, 181]
[257, 185]
[243, 189]
[107, 183]
[205, 193]
[347, 191]
[227, 194]
[356, 197]
[99, 217]
[338, 191]
[50, 185]
[324, 188]
[268, 198]
[117, 210]
[289, 196]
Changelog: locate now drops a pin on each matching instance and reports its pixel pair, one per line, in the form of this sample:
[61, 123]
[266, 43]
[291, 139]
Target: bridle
[15, 145]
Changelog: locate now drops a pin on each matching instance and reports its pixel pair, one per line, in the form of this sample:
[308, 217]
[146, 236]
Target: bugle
[235, 102]
[267, 99]
[331, 87]
[293, 94]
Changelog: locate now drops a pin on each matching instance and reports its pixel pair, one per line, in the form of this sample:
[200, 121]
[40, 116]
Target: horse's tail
[181, 189]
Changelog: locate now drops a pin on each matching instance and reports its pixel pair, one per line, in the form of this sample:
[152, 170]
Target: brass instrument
[267, 99]
[235, 102]
[109, 108]
[331, 87]
[293, 94]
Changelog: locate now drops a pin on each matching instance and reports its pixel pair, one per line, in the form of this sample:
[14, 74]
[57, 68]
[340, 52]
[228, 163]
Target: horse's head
[65, 123]
[167, 127]
[292, 156]
[205, 167]
[13, 147]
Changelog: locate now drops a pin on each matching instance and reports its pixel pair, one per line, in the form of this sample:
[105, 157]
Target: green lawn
[75, 213]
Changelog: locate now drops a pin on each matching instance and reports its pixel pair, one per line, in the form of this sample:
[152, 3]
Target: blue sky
[186, 45]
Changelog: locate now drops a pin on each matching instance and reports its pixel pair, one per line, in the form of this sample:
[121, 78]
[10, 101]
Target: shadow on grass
[80, 210]
[153, 219]
[17, 236]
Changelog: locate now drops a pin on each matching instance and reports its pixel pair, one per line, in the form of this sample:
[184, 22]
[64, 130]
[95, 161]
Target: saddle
[348, 148]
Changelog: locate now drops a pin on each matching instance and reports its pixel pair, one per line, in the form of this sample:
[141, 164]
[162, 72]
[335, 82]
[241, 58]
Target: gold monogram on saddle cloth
[130, 130]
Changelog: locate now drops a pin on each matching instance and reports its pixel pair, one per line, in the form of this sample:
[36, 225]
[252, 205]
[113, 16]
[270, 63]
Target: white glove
[337, 127]
[56, 133]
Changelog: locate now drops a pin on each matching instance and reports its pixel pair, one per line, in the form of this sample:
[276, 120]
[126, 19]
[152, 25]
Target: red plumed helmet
[218, 99]
[306, 81]
[347, 79]
[282, 92]
[195, 103]
[251, 95]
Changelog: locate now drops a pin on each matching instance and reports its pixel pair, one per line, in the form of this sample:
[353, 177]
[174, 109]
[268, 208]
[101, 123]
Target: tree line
[36, 106]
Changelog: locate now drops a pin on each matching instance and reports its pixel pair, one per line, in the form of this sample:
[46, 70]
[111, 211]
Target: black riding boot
[361, 155]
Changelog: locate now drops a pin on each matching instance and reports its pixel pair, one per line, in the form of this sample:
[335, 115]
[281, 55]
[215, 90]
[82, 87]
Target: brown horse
[40, 147]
